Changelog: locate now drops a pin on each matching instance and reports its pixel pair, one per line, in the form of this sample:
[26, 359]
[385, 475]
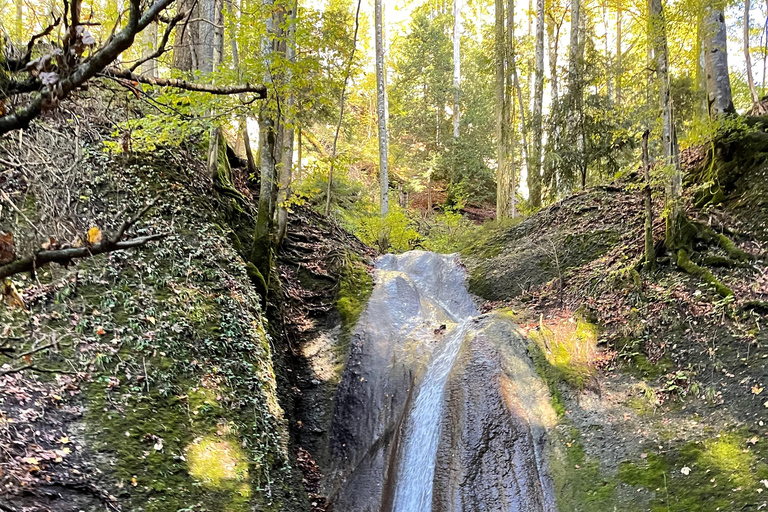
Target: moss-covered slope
[154, 387]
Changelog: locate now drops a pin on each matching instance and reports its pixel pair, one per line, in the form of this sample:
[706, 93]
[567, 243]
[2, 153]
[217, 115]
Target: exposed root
[685, 264]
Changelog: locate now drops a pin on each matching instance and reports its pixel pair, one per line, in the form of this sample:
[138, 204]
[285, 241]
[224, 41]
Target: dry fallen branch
[65, 256]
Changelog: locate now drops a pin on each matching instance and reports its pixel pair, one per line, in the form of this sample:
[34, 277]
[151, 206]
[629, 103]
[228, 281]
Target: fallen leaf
[7, 249]
[686, 471]
[100, 331]
[756, 390]
[94, 235]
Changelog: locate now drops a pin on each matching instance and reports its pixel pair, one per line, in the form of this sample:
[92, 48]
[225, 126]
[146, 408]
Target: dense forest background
[464, 108]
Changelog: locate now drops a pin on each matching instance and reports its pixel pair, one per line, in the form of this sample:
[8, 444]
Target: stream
[439, 408]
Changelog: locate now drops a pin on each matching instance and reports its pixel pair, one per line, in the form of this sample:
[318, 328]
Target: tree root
[685, 264]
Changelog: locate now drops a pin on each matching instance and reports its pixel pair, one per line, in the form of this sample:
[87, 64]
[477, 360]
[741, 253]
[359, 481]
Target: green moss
[355, 287]
[218, 463]
[580, 485]
[723, 473]
[569, 347]
[685, 264]
[732, 250]
[643, 368]
[550, 375]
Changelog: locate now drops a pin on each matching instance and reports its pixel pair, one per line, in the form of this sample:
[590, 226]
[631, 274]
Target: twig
[16, 209]
[164, 41]
[37, 369]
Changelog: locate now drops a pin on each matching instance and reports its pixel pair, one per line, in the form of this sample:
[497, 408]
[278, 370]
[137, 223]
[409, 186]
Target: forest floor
[658, 379]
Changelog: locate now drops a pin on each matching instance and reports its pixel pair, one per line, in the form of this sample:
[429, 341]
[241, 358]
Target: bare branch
[87, 69]
[259, 90]
[14, 65]
[66, 256]
[161, 48]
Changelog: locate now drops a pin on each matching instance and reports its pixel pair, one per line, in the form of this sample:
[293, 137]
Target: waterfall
[413, 490]
[439, 407]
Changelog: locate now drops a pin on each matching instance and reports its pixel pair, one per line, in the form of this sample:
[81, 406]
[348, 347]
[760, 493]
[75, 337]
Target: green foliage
[448, 232]
[395, 232]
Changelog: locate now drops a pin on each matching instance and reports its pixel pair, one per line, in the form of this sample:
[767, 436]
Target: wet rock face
[491, 451]
[438, 408]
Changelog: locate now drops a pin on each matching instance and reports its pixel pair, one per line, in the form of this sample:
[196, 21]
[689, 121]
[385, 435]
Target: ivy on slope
[172, 351]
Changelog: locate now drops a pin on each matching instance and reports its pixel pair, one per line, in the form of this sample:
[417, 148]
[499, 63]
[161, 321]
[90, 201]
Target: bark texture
[503, 181]
[534, 167]
[381, 108]
[658, 40]
[719, 96]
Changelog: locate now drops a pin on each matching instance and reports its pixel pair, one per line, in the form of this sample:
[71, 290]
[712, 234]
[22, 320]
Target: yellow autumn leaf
[31, 460]
[64, 440]
[94, 235]
[756, 390]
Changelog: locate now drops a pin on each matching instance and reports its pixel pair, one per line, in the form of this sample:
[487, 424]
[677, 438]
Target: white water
[416, 468]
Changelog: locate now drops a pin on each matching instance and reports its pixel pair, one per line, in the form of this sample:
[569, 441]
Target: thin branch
[161, 48]
[36, 369]
[87, 69]
[15, 65]
[259, 90]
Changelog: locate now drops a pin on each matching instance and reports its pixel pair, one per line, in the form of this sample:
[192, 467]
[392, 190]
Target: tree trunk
[701, 75]
[618, 70]
[149, 68]
[207, 35]
[298, 156]
[511, 78]
[184, 58]
[456, 67]
[381, 109]
[261, 251]
[748, 60]
[608, 70]
[534, 167]
[575, 50]
[289, 133]
[658, 39]
[650, 252]
[502, 171]
[719, 97]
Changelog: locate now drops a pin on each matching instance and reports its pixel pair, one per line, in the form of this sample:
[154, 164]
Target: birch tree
[456, 67]
[381, 107]
[534, 167]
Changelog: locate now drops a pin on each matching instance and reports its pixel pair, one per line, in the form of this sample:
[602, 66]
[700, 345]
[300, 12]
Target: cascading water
[439, 408]
[413, 490]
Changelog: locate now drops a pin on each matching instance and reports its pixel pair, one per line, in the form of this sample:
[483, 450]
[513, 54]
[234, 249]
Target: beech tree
[720, 99]
[38, 85]
[658, 41]
[534, 167]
